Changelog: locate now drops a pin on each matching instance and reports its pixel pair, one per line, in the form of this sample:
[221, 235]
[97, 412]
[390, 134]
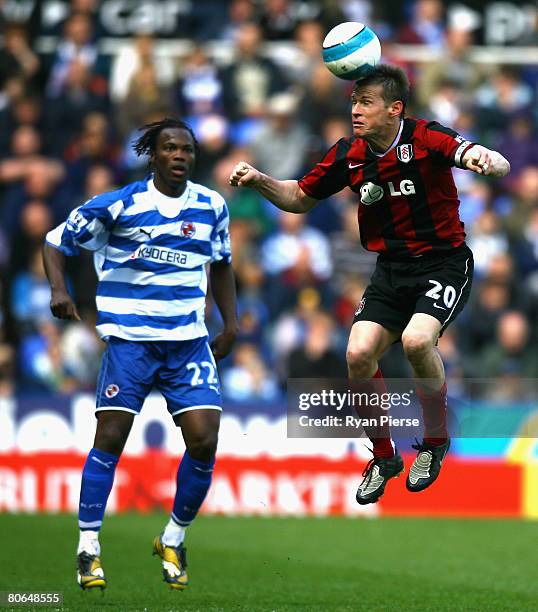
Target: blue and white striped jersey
[150, 257]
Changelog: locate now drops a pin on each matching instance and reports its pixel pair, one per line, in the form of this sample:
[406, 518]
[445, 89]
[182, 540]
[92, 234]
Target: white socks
[173, 534]
[89, 542]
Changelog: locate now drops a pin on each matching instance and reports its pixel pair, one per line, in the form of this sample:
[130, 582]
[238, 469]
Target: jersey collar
[394, 142]
[169, 206]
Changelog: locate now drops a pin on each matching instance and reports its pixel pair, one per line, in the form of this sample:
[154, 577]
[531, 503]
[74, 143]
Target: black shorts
[438, 285]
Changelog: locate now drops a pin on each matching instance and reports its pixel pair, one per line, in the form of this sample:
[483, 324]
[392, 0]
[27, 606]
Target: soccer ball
[351, 50]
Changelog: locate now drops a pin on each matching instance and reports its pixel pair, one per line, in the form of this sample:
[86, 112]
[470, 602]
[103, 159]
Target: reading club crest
[112, 391]
[405, 153]
[188, 229]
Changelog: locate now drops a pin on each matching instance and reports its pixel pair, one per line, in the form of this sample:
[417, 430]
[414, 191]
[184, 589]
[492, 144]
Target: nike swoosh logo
[440, 307]
[352, 166]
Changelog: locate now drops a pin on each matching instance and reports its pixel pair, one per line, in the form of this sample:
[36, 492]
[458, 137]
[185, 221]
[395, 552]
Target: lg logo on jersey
[406, 188]
[371, 193]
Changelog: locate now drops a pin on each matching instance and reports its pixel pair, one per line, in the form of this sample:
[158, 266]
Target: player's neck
[384, 139]
[172, 191]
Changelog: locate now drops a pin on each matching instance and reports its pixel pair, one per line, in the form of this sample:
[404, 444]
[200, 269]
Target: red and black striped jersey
[407, 198]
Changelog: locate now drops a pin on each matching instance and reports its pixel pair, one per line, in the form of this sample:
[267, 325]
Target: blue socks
[97, 479]
[193, 482]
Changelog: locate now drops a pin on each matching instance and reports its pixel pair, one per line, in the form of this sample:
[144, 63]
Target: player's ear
[396, 108]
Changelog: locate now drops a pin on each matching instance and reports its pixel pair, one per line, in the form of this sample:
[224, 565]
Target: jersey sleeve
[447, 145]
[220, 237]
[87, 226]
[330, 175]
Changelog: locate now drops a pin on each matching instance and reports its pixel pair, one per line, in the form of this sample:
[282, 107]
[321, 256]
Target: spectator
[74, 103]
[500, 97]
[486, 241]
[240, 12]
[145, 96]
[30, 297]
[199, 89]
[251, 78]
[40, 360]
[17, 57]
[296, 256]
[518, 143]
[316, 358]
[40, 182]
[249, 379]
[81, 349]
[453, 66]
[278, 20]
[525, 199]
[141, 51]
[511, 352]
[425, 26]
[281, 145]
[76, 45]
[324, 99]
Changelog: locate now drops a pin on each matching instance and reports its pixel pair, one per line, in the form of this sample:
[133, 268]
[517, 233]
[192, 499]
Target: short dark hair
[145, 145]
[394, 82]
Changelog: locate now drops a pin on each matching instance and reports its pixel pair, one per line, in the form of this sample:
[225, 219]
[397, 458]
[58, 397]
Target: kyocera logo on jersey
[112, 391]
[188, 229]
[405, 153]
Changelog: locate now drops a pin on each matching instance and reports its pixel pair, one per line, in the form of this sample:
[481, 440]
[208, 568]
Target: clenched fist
[244, 174]
[478, 159]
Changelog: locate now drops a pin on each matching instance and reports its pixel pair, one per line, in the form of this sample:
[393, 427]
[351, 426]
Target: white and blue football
[351, 50]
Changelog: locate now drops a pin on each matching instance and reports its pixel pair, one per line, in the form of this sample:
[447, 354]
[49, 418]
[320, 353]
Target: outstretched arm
[223, 288]
[62, 305]
[286, 195]
[486, 162]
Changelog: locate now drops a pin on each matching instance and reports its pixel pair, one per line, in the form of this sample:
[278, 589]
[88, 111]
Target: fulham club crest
[188, 229]
[405, 153]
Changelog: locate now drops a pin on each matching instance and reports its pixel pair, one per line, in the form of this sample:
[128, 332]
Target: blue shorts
[183, 371]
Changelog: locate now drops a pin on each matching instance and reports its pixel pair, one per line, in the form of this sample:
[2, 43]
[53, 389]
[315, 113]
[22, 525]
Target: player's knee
[360, 359]
[203, 447]
[417, 345]
[111, 438]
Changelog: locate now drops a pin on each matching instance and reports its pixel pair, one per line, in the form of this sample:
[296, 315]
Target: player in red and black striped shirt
[400, 170]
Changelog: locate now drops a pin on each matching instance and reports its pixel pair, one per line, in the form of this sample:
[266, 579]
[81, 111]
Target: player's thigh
[445, 287]
[421, 329]
[126, 376]
[188, 378]
[369, 339]
[382, 304]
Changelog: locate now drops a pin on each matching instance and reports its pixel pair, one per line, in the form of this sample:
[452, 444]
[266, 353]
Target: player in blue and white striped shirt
[152, 240]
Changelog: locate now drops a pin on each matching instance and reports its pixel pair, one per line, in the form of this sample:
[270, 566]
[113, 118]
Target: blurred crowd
[67, 123]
